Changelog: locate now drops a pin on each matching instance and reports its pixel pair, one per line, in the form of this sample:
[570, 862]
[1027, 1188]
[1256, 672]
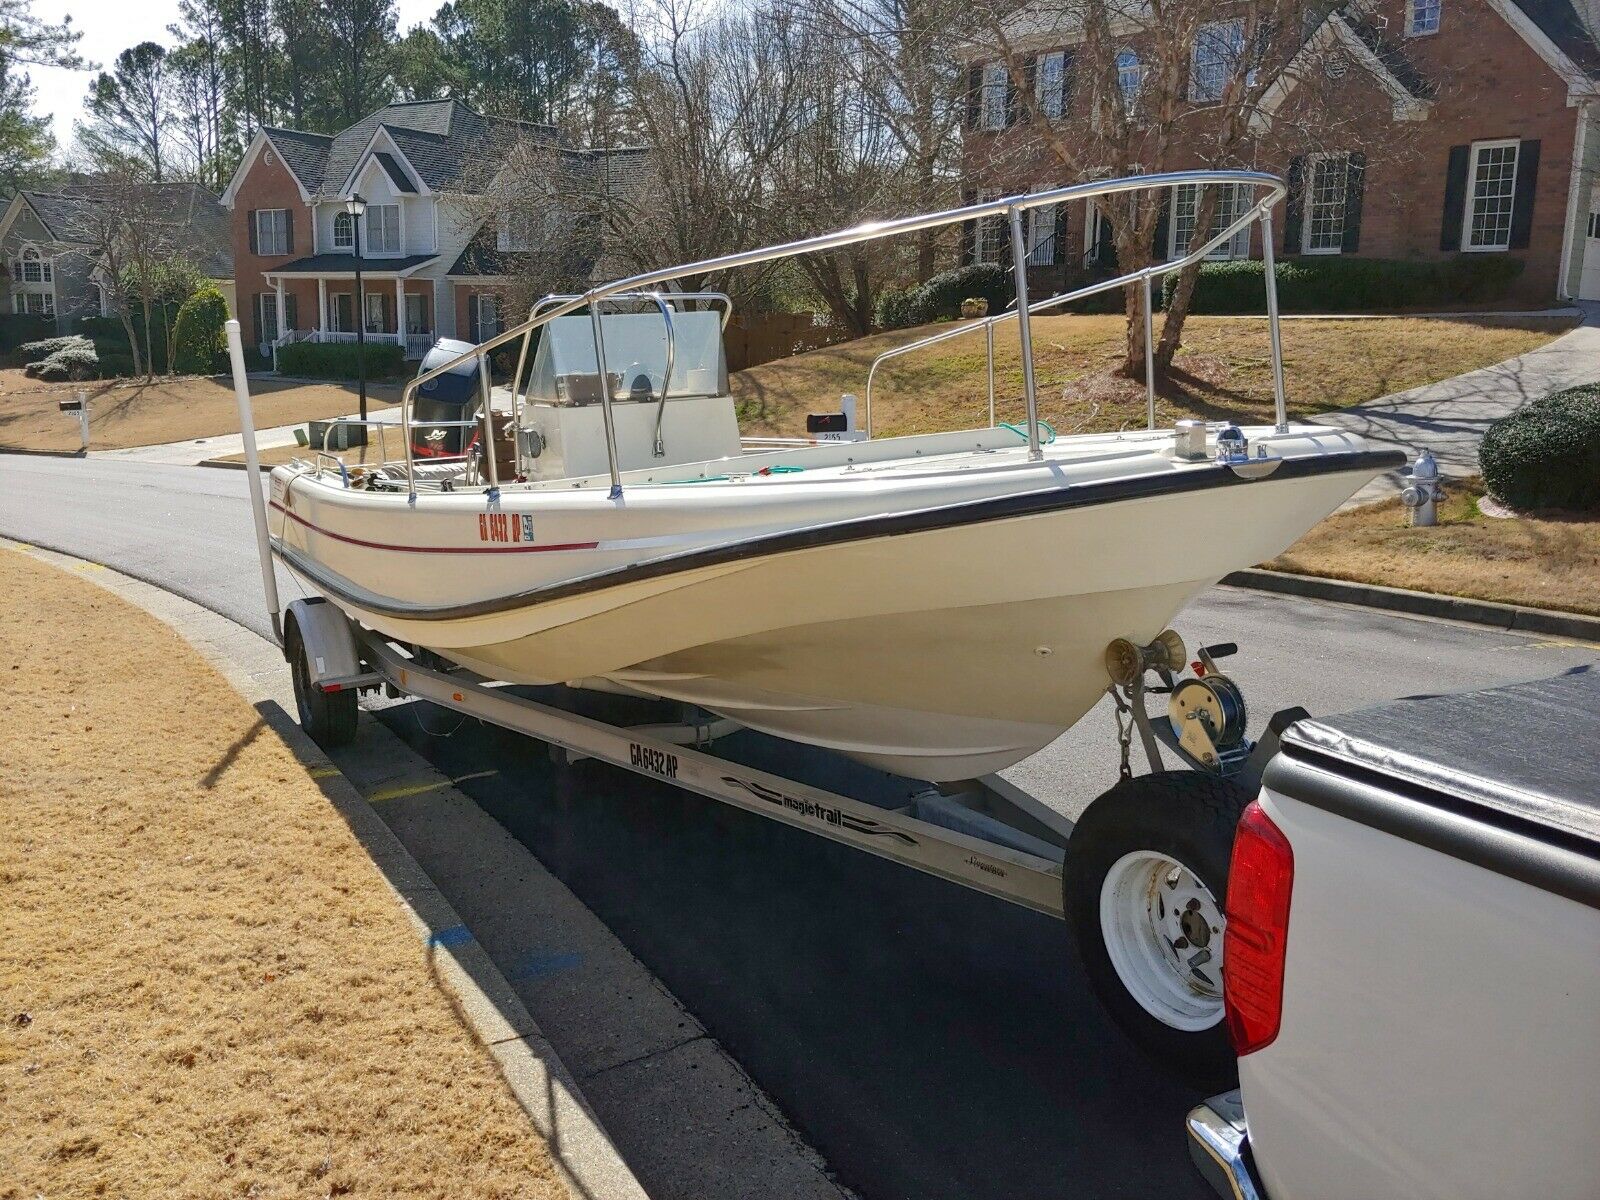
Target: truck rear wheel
[1143, 887]
[329, 717]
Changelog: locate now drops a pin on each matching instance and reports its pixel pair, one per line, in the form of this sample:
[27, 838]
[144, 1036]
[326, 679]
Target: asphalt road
[930, 1042]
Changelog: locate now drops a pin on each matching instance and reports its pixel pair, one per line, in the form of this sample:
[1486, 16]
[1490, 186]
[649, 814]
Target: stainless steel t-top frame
[1270, 190]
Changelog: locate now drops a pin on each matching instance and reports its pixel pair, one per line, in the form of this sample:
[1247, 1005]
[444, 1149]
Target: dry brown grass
[1543, 560]
[1223, 371]
[276, 455]
[123, 414]
[206, 989]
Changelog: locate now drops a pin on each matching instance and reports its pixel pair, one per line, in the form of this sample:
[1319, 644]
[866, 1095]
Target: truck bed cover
[1508, 777]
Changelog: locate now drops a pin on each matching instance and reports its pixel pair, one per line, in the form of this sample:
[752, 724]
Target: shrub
[940, 298]
[114, 365]
[1335, 284]
[32, 352]
[200, 338]
[74, 358]
[895, 307]
[18, 328]
[337, 360]
[1547, 453]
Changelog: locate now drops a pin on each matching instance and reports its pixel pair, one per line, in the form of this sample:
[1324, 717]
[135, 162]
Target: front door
[1589, 284]
[416, 319]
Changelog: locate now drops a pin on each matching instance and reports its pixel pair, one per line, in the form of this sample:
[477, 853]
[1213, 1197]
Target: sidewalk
[1450, 417]
[196, 450]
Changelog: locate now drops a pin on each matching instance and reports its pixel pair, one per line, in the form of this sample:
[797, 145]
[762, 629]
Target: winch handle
[1209, 655]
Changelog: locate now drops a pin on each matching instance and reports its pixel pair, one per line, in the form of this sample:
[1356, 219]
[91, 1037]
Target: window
[1233, 201]
[1130, 78]
[1327, 178]
[1041, 233]
[529, 226]
[1050, 85]
[1492, 177]
[272, 232]
[374, 307]
[37, 303]
[1217, 50]
[383, 229]
[344, 231]
[32, 267]
[990, 240]
[1422, 17]
[992, 99]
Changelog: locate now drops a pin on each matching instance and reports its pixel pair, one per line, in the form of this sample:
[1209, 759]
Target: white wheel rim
[1163, 931]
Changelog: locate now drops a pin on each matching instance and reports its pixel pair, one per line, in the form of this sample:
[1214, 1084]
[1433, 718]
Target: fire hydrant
[1422, 494]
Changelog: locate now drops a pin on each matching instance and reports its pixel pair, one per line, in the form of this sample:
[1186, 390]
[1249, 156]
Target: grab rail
[1260, 210]
[1012, 206]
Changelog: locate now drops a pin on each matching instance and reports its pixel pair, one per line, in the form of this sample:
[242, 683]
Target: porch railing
[415, 345]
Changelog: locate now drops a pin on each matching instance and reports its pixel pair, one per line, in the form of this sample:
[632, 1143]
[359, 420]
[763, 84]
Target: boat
[938, 605]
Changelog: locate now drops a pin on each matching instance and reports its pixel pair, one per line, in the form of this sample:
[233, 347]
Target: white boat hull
[938, 646]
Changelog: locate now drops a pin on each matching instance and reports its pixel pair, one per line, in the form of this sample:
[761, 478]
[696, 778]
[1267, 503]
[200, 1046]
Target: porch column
[433, 317]
[278, 335]
[400, 314]
[322, 304]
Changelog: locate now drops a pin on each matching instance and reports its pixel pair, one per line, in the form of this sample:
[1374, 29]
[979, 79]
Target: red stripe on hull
[520, 548]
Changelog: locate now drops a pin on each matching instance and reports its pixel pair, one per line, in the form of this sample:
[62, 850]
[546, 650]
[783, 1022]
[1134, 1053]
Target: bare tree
[1147, 86]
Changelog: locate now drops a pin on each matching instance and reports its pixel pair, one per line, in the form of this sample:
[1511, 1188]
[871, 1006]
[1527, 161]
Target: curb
[582, 1153]
[44, 453]
[1423, 604]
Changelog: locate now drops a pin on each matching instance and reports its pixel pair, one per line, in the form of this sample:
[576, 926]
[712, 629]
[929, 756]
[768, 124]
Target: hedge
[338, 360]
[200, 335]
[1547, 453]
[111, 339]
[18, 328]
[939, 299]
[1336, 284]
[62, 358]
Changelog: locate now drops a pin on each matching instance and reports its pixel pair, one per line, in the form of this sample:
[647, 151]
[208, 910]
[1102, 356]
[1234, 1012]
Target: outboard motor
[454, 396]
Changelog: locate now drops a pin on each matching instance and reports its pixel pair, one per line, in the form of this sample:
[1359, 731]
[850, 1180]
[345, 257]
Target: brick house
[1494, 100]
[434, 261]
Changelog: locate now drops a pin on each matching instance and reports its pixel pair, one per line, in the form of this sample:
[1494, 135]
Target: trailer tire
[329, 717]
[1143, 886]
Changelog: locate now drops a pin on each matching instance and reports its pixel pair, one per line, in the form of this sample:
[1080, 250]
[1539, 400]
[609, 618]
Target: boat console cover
[1513, 770]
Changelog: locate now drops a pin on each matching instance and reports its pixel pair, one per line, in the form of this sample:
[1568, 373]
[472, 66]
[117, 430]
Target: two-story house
[435, 261]
[48, 239]
[1494, 101]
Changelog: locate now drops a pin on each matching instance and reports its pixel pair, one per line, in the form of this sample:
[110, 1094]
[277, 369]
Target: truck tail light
[1256, 937]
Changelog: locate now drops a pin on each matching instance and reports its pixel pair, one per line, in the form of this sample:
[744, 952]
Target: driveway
[1450, 417]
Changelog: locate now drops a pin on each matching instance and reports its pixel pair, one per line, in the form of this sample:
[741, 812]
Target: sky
[110, 27]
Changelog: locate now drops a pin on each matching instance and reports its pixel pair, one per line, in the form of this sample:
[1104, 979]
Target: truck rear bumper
[1219, 1144]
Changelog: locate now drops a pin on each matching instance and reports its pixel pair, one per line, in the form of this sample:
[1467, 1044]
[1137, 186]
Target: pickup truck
[1411, 962]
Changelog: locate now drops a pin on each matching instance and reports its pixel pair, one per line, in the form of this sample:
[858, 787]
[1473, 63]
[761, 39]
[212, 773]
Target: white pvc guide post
[252, 470]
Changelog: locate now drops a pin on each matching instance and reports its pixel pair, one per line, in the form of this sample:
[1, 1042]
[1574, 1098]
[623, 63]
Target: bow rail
[1011, 207]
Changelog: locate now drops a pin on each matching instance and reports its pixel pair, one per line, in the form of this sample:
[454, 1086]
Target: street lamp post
[356, 206]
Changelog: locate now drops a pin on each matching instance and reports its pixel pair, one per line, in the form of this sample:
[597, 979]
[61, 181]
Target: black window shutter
[1455, 198]
[1355, 186]
[290, 312]
[472, 317]
[1066, 82]
[1030, 83]
[1294, 205]
[1013, 101]
[1158, 244]
[969, 232]
[1059, 246]
[254, 247]
[1522, 203]
[974, 95]
[288, 231]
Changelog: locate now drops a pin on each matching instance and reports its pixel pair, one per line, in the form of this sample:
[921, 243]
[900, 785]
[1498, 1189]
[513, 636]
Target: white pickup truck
[1412, 957]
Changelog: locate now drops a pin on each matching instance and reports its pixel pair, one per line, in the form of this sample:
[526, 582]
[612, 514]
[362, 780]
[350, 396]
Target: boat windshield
[565, 370]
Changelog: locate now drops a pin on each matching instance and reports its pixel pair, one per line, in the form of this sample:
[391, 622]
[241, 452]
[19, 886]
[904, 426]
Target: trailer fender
[329, 640]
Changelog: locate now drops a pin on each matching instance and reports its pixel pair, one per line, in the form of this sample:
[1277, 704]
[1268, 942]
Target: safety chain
[1123, 714]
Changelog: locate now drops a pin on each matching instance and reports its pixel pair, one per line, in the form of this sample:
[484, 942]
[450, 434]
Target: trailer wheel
[1145, 878]
[329, 717]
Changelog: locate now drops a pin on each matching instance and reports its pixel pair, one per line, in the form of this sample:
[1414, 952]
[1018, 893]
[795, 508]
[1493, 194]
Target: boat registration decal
[657, 762]
[525, 539]
[504, 527]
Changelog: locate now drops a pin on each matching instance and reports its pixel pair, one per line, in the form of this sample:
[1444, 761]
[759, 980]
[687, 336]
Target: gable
[263, 167]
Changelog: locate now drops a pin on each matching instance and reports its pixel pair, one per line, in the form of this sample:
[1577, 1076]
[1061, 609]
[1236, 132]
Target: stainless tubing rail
[1276, 190]
[868, 232]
